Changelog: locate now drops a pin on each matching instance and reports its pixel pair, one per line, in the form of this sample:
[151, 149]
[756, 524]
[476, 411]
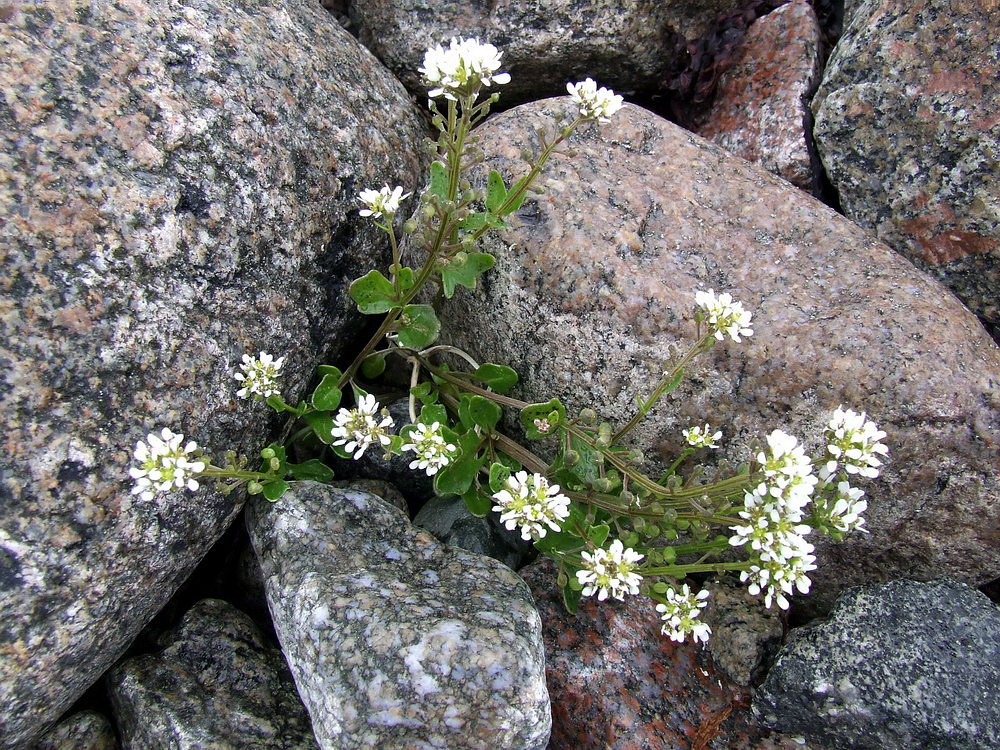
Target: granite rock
[546, 43]
[448, 519]
[902, 664]
[217, 683]
[745, 634]
[593, 290]
[178, 187]
[616, 682]
[394, 640]
[85, 730]
[761, 109]
[908, 128]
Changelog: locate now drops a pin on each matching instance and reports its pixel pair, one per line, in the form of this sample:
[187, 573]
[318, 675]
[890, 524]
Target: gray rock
[594, 285]
[623, 44]
[179, 188]
[450, 521]
[86, 730]
[903, 664]
[761, 104]
[907, 127]
[394, 640]
[745, 634]
[217, 683]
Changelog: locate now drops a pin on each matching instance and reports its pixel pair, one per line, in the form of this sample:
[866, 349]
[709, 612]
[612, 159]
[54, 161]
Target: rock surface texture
[745, 634]
[546, 44]
[761, 110]
[616, 682]
[903, 664]
[217, 683]
[449, 520]
[178, 187]
[908, 127]
[86, 730]
[395, 640]
[595, 283]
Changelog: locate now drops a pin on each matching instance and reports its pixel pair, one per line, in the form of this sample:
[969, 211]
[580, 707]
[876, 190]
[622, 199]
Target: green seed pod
[571, 458]
[254, 487]
[267, 453]
[410, 226]
[602, 484]
[669, 555]
[588, 416]
[427, 210]
[275, 464]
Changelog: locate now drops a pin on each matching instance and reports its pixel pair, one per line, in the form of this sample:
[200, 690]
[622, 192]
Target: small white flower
[357, 429]
[594, 103]
[433, 452]
[529, 501]
[844, 510]
[610, 571]
[772, 527]
[702, 437]
[164, 464]
[788, 469]
[854, 444]
[776, 578]
[461, 69]
[723, 315]
[382, 203]
[680, 613]
[259, 376]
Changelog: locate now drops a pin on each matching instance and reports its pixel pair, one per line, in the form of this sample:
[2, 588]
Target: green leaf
[496, 193]
[498, 476]
[274, 489]
[465, 272]
[420, 326]
[517, 203]
[374, 293]
[373, 365]
[439, 180]
[431, 413]
[322, 424]
[588, 466]
[477, 501]
[558, 541]
[472, 222]
[598, 534]
[498, 377]
[313, 469]
[328, 370]
[476, 411]
[548, 415]
[457, 477]
[406, 279]
[571, 597]
[327, 395]
[425, 392]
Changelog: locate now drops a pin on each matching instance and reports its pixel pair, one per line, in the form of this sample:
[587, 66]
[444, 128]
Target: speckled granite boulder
[86, 730]
[394, 640]
[178, 188]
[908, 128]
[762, 102]
[217, 683]
[448, 519]
[595, 283]
[903, 664]
[616, 682]
[547, 43]
[745, 634]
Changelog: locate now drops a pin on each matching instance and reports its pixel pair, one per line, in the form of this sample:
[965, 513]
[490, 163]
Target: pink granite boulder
[594, 284]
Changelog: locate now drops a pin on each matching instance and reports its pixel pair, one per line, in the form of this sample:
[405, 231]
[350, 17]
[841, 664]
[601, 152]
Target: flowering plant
[613, 530]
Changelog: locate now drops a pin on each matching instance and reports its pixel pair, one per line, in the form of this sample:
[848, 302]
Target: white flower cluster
[357, 429]
[433, 452]
[853, 443]
[529, 501]
[843, 510]
[610, 571]
[382, 203]
[680, 613]
[723, 315]
[164, 464]
[702, 437]
[773, 529]
[594, 103]
[259, 376]
[461, 69]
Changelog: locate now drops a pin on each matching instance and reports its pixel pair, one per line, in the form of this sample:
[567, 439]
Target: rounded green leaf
[420, 326]
[373, 365]
[327, 395]
[274, 489]
[498, 377]
[373, 293]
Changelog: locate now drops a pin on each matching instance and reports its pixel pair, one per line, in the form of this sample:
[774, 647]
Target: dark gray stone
[908, 130]
[745, 634]
[394, 640]
[898, 665]
[216, 684]
[86, 730]
[178, 187]
[450, 521]
[593, 291]
[626, 45]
